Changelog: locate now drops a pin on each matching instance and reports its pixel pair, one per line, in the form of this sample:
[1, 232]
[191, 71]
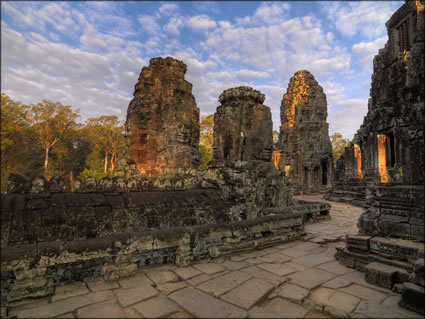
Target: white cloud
[175, 24]
[266, 13]
[348, 117]
[201, 22]
[168, 8]
[367, 18]
[86, 80]
[149, 23]
[282, 49]
[367, 50]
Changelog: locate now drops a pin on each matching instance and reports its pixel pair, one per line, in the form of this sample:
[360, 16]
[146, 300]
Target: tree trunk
[106, 162]
[46, 161]
[112, 162]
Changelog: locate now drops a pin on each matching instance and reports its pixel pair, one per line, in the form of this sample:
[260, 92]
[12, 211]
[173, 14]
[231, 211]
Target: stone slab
[127, 297]
[310, 278]
[135, 281]
[256, 272]
[293, 293]
[249, 293]
[364, 293]
[221, 285]
[336, 283]
[275, 258]
[234, 265]
[335, 267]
[70, 290]
[334, 299]
[312, 260]
[186, 273]
[66, 305]
[278, 269]
[202, 305]
[369, 309]
[99, 284]
[284, 309]
[199, 279]
[209, 268]
[157, 307]
[169, 287]
[307, 246]
[162, 276]
[294, 252]
[107, 309]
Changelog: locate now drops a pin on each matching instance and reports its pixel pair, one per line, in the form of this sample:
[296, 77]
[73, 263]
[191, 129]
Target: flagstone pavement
[299, 279]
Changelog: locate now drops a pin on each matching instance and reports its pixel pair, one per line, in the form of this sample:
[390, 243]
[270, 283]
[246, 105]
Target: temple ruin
[242, 126]
[387, 160]
[304, 147]
[162, 127]
[161, 209]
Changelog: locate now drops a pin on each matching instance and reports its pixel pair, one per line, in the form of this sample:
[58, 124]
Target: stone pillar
[162, 127]
[242, 126]
[304, 133]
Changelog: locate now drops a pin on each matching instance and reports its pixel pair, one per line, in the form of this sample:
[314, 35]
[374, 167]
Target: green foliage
[275, 137]
[94, 166]
[338, 145]
[51, 122]
[47, 133]
[19, 152]
[206, 140]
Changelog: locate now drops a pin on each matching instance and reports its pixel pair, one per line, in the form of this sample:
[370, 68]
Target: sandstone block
[248, 294]
[157, 307]
[202, 305]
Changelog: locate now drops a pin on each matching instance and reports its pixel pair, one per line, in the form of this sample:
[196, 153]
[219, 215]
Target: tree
[275, 137]
[106, 135]
[206, 140]
[51, 122]
[19, 152]
[338, 145]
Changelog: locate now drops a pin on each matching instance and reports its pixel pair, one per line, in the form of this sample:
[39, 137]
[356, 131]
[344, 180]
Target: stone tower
[304, 147]
[242, 126]
[162, 127]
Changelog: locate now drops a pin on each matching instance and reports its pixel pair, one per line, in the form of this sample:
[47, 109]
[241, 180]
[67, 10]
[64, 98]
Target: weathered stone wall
[242, 126]
[33, 270]
[391, 147]
[36, 218]
[162, 127]
[305, 147]
[394, 210]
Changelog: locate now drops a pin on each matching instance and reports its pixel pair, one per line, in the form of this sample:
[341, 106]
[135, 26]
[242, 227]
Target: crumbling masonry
[387, 157]
[304, 148]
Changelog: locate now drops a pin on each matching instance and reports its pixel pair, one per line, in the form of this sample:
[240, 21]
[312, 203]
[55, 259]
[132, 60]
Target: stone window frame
[403, 28]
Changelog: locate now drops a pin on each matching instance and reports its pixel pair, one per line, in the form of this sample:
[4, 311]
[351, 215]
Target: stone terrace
[298, 279]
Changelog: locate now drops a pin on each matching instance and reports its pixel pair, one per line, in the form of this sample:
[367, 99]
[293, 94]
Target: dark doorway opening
[324, 173]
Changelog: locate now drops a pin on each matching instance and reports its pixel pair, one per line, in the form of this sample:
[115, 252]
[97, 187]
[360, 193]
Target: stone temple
[242, 126]
[162, 127]
[304, 148]
[387, 158]
[114, 234]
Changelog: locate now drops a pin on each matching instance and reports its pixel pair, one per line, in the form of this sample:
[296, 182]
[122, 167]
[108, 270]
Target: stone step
[384, 275]
[413, 298]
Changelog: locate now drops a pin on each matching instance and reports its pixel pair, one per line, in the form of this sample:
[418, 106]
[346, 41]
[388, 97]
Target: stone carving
[162, 127]
[242, 126]
[390, 160]
[304, 145]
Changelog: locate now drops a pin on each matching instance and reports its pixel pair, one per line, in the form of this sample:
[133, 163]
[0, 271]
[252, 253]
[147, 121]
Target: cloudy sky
[89, 54]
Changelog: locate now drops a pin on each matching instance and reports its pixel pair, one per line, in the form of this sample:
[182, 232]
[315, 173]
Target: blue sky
[89, 54]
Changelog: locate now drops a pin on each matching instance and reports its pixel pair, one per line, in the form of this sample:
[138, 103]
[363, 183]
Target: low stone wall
[394, 210]
[37, 218]
[33, 270]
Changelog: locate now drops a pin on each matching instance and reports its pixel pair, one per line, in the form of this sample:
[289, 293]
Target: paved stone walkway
[299, 279]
